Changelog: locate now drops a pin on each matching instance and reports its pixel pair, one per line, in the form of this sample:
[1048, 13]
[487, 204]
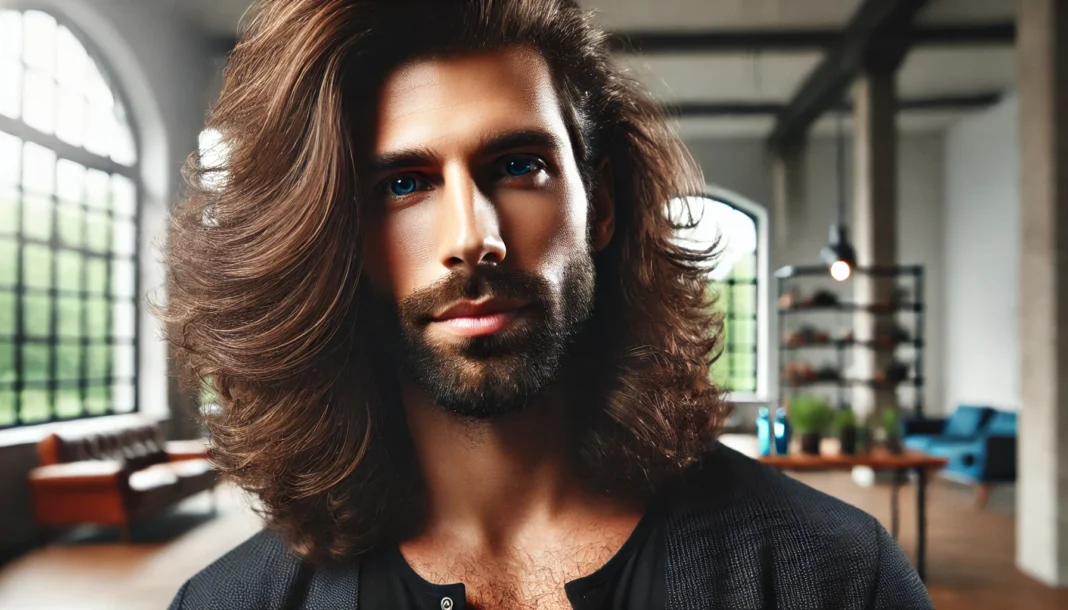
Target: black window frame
[20, 339]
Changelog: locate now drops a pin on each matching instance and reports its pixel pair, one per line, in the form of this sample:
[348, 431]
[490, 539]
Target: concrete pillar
[873, 227]
[788, 173]
[1042, 489]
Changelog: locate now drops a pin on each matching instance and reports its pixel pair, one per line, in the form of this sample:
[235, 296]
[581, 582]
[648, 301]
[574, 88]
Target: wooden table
[830, 459]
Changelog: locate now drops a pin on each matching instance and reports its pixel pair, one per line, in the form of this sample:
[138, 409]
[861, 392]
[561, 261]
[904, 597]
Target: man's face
[481, 242]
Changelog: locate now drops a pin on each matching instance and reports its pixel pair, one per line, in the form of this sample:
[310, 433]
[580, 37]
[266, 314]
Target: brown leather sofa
[114, 476]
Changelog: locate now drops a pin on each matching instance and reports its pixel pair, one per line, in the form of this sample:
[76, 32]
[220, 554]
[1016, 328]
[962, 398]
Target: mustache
[484, 281]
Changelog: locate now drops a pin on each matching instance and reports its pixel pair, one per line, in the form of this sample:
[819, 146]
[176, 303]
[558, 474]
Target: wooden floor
[970, 560]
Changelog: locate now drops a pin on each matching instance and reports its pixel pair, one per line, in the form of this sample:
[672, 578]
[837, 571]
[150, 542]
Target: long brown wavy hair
[264, 289]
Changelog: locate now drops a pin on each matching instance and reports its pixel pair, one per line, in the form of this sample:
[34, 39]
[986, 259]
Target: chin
[485, 387]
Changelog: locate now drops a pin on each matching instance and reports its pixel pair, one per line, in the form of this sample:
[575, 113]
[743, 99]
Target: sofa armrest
[1000, 458]
[930, 425]
[88, 473]
[196, 449]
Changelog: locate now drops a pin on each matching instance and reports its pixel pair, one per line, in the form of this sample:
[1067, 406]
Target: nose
[468, 226]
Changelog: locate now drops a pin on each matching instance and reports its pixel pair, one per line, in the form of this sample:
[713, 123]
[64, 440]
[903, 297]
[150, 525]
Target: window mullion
[62, 149]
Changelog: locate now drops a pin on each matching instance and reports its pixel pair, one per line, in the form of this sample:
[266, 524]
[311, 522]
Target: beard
[492, 375]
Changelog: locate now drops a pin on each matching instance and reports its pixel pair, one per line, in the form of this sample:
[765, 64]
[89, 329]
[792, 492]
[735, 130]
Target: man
[461, 358]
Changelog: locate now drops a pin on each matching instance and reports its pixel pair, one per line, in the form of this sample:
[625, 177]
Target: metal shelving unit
[789, 277]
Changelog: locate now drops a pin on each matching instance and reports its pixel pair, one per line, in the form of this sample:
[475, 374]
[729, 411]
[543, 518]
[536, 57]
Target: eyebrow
[490, 144]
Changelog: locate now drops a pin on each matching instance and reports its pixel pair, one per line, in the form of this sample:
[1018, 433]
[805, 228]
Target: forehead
[431, 103]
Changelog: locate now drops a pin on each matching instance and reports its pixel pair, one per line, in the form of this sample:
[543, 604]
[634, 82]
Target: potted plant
[810, 417]
[845, 426]
[891, 430]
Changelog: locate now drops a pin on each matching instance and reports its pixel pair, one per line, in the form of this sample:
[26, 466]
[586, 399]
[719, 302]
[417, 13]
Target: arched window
[69, 194]
[737, 278]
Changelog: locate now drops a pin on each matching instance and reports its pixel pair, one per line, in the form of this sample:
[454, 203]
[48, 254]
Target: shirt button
[446, 603]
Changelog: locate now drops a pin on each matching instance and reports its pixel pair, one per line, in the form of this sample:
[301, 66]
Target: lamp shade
[839, 255]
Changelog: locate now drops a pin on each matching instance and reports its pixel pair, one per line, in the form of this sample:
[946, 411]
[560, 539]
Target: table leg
[894, 510]
[921, 523]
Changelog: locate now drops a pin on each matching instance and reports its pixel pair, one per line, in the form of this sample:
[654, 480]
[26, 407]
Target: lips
[473, 319]
[474, 309]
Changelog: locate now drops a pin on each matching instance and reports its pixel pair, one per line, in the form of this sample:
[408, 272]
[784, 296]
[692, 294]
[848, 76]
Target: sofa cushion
[1002, 423]
[919, 442]
[966, 420]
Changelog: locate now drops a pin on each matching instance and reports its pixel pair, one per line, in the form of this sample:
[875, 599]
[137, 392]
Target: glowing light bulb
[840, 270]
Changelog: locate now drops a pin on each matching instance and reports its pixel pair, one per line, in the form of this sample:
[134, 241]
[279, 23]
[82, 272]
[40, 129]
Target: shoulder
[259, 573]
[757, 533]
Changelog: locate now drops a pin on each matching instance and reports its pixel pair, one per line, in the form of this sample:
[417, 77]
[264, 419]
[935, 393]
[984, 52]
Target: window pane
[71, 61]
[101, 130]
[124, 196]
[122, 278]
[9, 211]
[124, 361]
[7, 317]
[70, 121]
[97, 190]
[8, 255]
[35, 405]
[97, 90]
[38, 169]
[123, 397]
[70, 181]
[39, 101]
[97, 318]
[71, 221]
[10, 159]
[69, 314]
[98, 232]
[123, 320]
[39, 48]
[37, 266]
[98, 358]
[11, 92]
[7, 407]
[35, 361]
[69, 361]
[122, 145]
[10, 34]
[36, 315]
[69, 403]
[69, 267]
[124, 239]
[7, 362]
[96, 280]
[37, 217]
[97, 400]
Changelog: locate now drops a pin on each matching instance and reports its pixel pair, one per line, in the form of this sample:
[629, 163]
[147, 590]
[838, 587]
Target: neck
[487, 479]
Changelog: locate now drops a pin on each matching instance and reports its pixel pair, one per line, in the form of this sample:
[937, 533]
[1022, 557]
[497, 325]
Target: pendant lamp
[839, 255]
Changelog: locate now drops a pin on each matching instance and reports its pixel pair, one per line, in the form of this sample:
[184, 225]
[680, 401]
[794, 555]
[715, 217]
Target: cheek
[544, 231]
[398, 253]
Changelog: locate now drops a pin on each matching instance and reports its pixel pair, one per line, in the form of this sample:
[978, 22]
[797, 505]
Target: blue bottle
[763, 426]
[782, 432]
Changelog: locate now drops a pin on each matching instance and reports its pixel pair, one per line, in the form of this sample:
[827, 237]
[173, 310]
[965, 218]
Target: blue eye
[520, 167]
[403, 186]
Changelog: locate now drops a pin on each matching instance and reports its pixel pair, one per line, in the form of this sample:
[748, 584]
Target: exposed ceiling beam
[879, 30]
[733, 41]
[742, 41]
[741, 108]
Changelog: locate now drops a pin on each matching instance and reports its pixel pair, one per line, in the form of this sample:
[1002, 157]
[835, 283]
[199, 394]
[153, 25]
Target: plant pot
[893, 444]
[847, 440]
[810, 444]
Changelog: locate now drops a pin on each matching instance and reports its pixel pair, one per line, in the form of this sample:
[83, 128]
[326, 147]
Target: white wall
[982, 242]
[743, 165]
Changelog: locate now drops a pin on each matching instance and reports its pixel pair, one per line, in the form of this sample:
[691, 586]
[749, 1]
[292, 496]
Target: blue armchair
[963, 425]
[985, 456]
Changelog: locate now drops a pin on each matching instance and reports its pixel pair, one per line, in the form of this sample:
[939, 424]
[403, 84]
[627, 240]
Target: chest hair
[519, 580]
